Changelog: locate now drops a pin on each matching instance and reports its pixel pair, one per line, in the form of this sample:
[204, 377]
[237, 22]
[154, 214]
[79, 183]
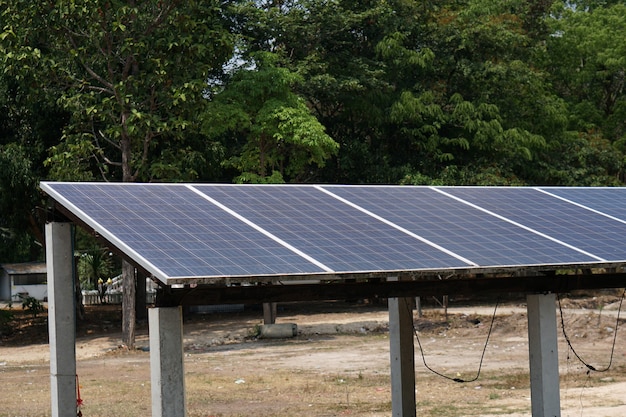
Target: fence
[92, 297]
[113, 294]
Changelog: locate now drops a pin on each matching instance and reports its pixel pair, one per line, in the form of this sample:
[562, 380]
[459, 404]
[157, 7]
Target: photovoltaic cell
[478, 236]
[563, 221]
[178, 232]
[608, 200]
[333, 233]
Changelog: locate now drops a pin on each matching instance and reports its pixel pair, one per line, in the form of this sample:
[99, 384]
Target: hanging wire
[482, 356]
[569, 343]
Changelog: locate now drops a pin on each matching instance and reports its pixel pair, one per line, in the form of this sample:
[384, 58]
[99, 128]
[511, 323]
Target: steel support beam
[207, 294]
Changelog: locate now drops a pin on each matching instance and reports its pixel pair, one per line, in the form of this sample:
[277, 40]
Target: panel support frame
[167, 372]
[61, 318]
[543, 355]
[401, 355]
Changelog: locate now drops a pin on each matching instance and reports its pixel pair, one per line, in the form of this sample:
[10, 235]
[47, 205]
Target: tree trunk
[128, 305]
[128, 271]
[78, 294]
[141, 310]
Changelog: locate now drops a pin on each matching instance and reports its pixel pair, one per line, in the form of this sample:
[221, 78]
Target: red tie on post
[79, 401]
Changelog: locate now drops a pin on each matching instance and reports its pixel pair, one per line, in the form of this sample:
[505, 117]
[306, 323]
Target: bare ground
[337, 365]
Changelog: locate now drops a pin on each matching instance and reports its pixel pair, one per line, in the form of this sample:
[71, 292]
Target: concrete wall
[11, 288]
[5, 286]
[40, 291]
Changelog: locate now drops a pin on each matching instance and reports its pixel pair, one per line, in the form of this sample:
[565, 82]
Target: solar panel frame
[274, 231]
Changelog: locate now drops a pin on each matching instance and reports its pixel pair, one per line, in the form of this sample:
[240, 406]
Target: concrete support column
[270, 312]
[167, 373]
[543, 355]
[61, 319]
[402, 356]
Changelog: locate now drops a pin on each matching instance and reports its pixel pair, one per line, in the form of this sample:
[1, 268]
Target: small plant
[31, 304]
[254, 331]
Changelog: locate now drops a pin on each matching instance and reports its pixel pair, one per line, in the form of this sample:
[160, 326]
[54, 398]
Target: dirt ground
[337, 365]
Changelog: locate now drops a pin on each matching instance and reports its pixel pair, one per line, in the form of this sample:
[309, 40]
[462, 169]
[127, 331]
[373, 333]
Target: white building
[25, 279]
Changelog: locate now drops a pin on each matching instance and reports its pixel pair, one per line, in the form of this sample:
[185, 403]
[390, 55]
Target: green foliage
[282, 138]
[18, 197]
[132, 76]
[94, 264]
[16, 179]
[331, 46]
[30, 122]
[459, 131]
[451, 92]
[580, 159]
[32, 305]
[588, 64]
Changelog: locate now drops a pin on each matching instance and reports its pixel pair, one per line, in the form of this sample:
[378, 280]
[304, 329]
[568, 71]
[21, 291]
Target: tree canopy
[130, 74]
[343, 91]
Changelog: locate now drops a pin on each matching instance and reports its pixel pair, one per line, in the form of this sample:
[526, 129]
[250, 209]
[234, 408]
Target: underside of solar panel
[203, 233]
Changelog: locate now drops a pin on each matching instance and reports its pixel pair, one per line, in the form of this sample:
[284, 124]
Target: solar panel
[205, 232]
[474, 234]
[336, 234]
[560, 220]
[175, 233]
[608, 201]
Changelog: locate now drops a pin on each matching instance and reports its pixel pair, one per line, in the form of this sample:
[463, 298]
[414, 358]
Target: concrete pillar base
[61, 319]
[402, 356]
[543, 355]
[167, 372]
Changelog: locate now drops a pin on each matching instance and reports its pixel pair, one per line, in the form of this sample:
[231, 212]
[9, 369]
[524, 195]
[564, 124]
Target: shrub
[31, 304]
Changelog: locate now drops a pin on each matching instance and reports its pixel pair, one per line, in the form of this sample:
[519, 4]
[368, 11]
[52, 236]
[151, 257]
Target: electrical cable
[482, 356]
[569, 343]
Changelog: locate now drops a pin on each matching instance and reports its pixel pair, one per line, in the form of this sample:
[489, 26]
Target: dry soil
[337, 365]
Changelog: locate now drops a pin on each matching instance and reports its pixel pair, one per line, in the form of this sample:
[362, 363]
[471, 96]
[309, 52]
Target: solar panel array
[204, 232]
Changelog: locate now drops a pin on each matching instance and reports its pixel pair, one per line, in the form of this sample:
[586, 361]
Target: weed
[255, 331]
[31, 304]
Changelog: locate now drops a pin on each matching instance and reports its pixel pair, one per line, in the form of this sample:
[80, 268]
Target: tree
[331, 47]
[132, 76]
[30, 122]
[19, 225]
[280, 139]
[588, 63]
[455, 91]
[454, 66]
